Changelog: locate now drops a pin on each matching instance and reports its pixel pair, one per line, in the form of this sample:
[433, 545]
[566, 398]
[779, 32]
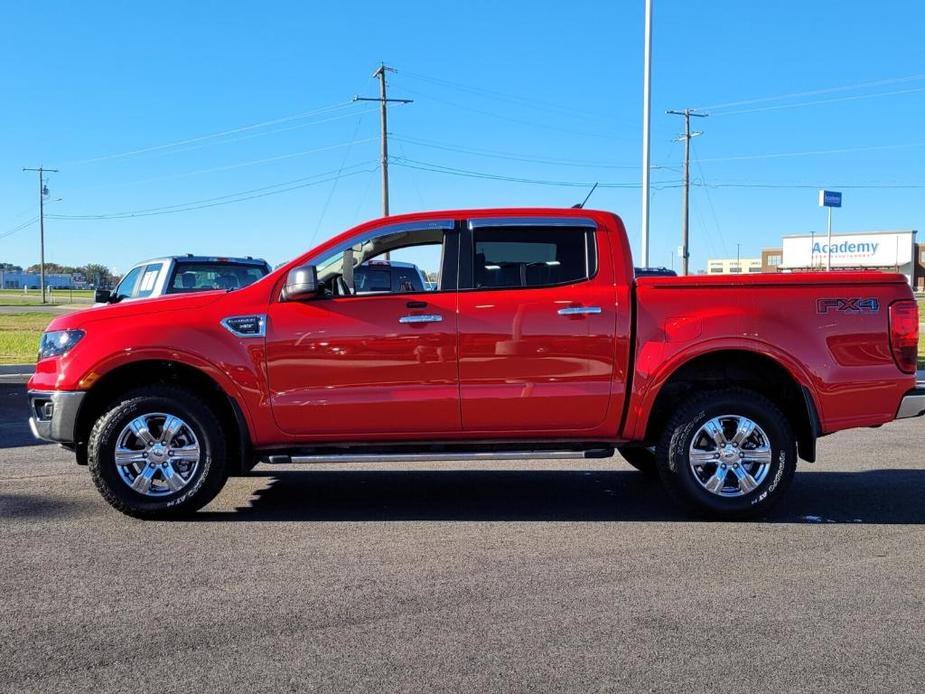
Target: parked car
[389, 276]
[182, 274]
[537, 343]
[655, 272]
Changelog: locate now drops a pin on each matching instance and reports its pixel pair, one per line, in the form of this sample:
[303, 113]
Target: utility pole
[646, 103]
[383, 118]
[686, 138]
[42, 193]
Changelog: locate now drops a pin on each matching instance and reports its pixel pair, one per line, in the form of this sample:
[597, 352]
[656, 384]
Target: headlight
[58, 342]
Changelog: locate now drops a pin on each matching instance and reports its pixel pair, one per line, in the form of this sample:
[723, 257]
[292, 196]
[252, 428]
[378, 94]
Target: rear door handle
[421, 318]
[579, 310]
[416, 304]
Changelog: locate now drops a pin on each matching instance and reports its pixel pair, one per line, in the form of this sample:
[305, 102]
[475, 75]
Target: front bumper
[54, 414]
[913, 403]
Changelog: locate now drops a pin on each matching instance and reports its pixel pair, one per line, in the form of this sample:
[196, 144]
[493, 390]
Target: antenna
[585, 201]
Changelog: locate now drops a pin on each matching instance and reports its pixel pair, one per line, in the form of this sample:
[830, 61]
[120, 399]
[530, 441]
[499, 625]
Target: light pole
[646, 101]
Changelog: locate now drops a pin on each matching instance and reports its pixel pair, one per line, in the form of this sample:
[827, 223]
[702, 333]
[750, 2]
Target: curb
[16, 373]
[17, 369]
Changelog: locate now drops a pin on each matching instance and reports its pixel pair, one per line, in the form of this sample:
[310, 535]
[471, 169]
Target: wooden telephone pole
[384, 101]
[42, 193]
[685, 137]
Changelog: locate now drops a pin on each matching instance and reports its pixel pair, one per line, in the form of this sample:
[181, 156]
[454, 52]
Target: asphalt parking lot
[511, 577]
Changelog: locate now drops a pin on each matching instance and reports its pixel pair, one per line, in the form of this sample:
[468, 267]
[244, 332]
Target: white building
[889, 251]
[732, 266]
[18, 279]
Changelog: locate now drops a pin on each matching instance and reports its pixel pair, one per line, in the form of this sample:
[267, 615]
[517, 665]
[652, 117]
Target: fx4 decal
[848, 305]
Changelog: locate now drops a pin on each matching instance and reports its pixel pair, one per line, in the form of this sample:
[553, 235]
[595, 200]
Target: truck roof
[190, 258]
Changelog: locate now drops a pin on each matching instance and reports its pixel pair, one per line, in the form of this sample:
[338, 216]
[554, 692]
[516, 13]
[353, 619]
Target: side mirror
[301, 284]
[102, 296]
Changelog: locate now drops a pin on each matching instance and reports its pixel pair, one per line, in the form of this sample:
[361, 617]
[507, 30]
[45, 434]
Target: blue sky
[533, 91]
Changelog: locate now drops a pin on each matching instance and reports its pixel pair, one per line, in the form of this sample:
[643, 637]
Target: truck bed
[829, 330]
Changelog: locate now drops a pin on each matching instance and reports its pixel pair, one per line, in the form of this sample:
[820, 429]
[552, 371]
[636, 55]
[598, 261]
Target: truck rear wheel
[643, 459]
[158, 452]
[727, 454]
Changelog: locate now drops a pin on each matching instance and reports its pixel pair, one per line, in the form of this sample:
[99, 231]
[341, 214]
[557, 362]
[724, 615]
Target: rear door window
[528, 256]
[201, 277]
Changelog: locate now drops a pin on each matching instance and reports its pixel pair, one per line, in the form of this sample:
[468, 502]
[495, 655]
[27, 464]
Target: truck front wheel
[728, 454]
[157, 452]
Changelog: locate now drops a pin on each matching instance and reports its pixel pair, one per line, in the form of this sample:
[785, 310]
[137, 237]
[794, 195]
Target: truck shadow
[14, 415]
[878, 496]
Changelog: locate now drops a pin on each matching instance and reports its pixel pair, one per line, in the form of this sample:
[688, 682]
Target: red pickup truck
[537, 342]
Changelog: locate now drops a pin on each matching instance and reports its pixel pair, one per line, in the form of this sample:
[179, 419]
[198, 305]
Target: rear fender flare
[647, 388]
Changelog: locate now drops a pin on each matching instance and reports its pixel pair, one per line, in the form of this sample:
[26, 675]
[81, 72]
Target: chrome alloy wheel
[157, 454]
[730, 455]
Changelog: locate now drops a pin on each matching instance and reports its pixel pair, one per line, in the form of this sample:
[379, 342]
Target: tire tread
[215, 476]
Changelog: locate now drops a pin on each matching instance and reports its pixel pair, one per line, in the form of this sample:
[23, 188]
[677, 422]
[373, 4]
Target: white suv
[182, 274]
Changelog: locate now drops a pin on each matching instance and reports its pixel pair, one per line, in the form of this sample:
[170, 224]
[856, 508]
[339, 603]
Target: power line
[815, 152]
[234, 165]
[240, 196]
[253, 162]
[815, 186]
[510, 156]
[18, 228]
[813, 92]
[438, 168]
[343, 163]
[210, 136]
[411, 175]
[250, 136]
[502, 96]
[801, 104]
[518, 121]
[361, 201]
[706, 191]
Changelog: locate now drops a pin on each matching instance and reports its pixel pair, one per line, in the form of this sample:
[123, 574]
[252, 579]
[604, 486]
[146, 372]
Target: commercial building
[18, 279]
[888, 251]
[732, 266]
[771, 258]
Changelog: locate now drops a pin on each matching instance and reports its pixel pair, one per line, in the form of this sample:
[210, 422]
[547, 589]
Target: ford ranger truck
[537, 342]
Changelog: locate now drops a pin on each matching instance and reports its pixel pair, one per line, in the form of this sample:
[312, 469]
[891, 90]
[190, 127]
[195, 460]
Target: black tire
[643, 459]
[673, 457]
[203, 485]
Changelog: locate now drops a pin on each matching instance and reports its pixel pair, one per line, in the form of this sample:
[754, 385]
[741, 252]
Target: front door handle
[579, 310]
[421, 318]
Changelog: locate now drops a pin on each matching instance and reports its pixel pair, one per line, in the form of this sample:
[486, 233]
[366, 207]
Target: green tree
[52, 269]
[96, 274]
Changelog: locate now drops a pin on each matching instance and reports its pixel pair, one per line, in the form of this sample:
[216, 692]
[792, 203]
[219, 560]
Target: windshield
[206, 276]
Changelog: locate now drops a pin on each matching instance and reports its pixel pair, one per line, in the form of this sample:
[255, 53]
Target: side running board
[428, 457]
